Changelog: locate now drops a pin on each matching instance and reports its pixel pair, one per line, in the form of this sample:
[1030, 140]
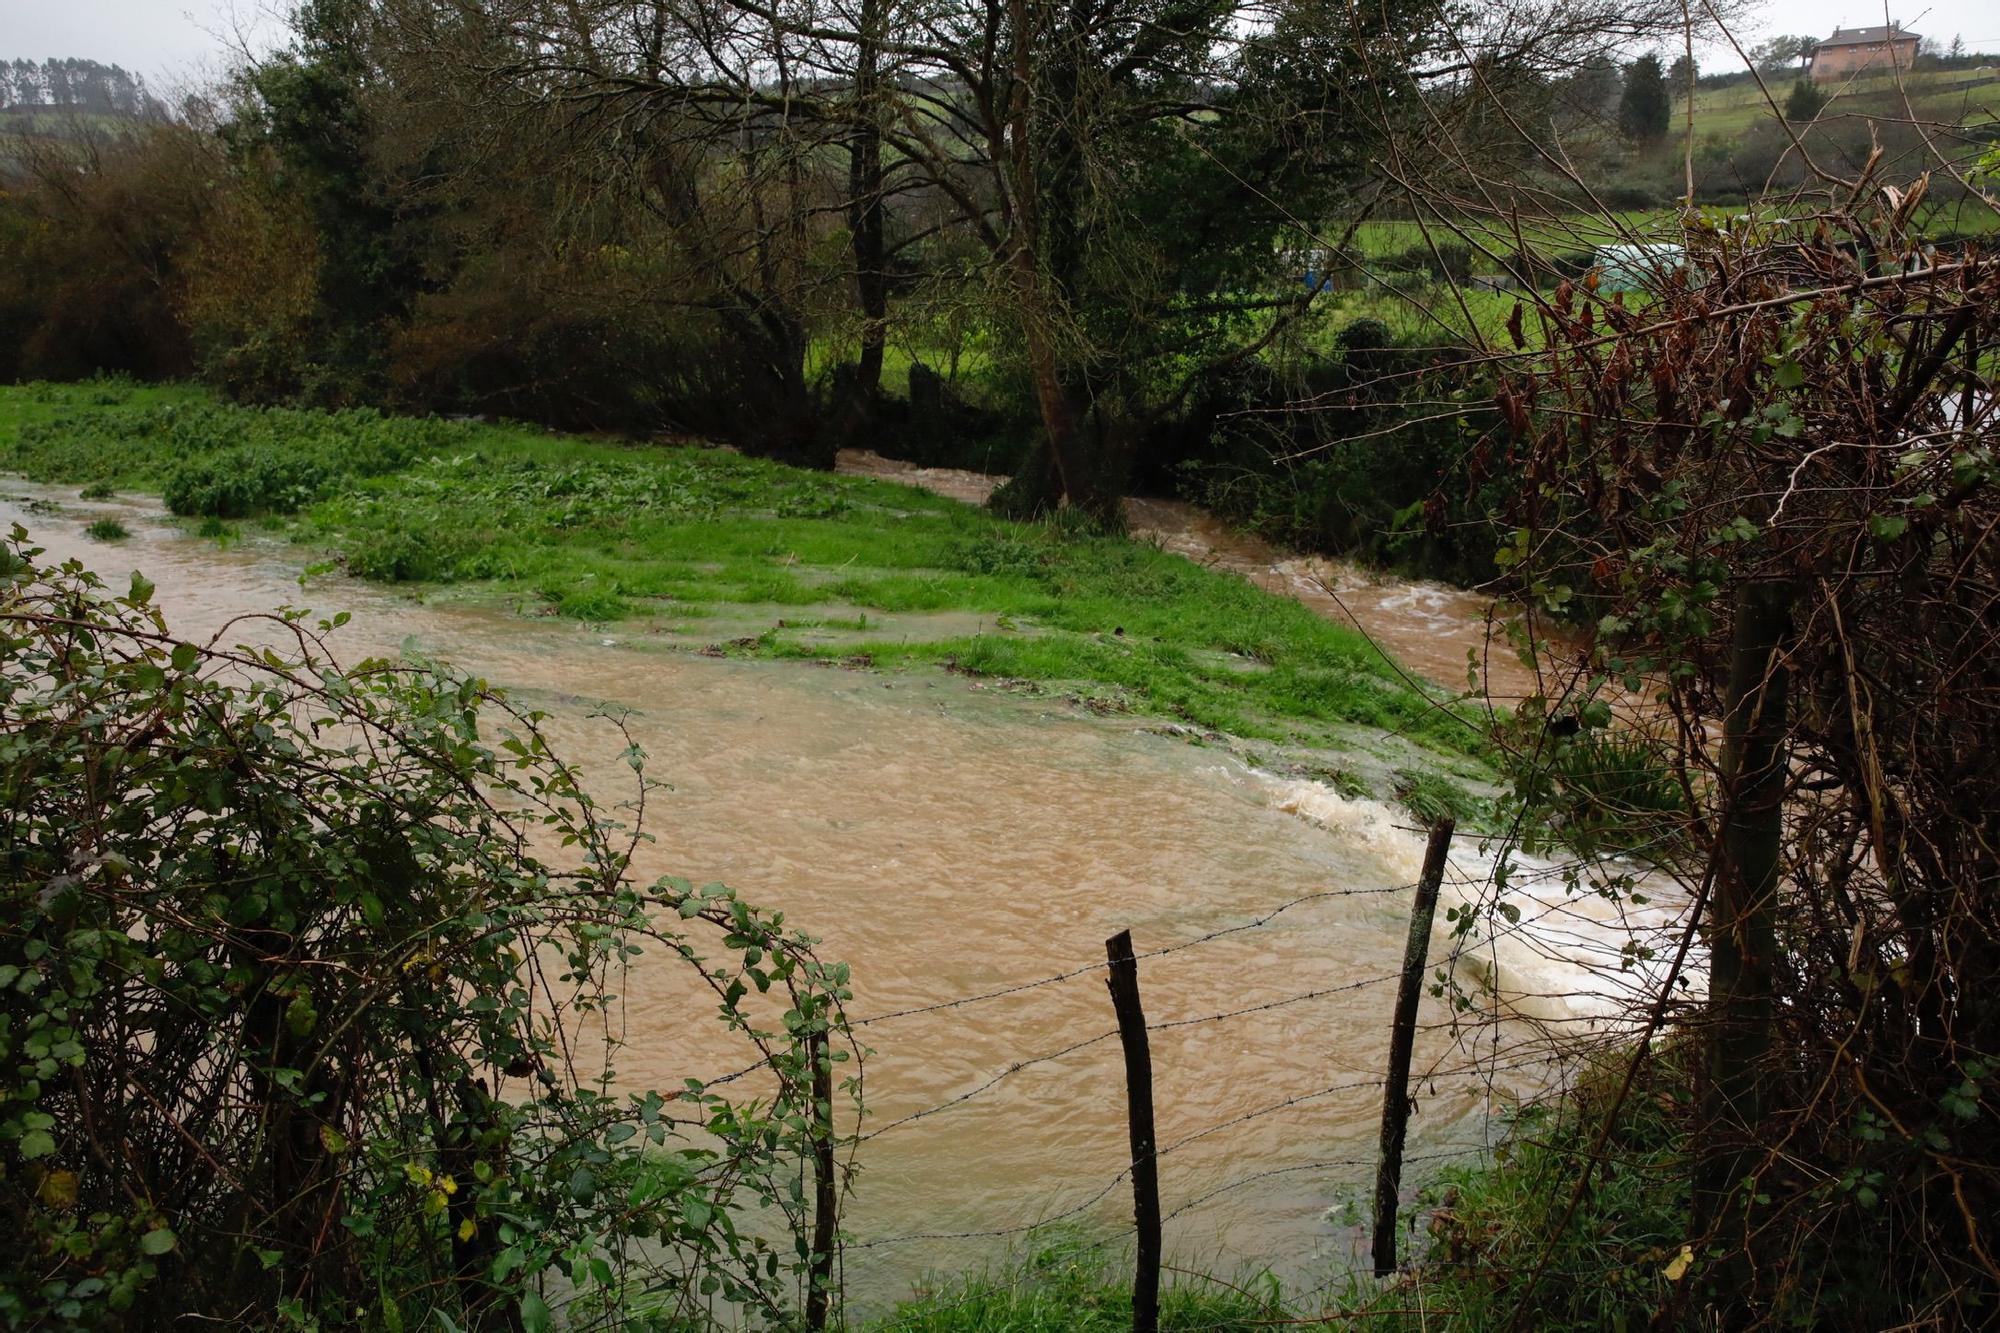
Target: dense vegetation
[289, 995]
[1338, 271]
[1777, 498]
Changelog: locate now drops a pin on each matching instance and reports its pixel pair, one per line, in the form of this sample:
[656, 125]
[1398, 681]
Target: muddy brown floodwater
[1432, 629]
[948, 841]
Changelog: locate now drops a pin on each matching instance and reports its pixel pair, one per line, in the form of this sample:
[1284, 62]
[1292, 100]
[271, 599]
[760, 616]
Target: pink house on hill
[1851, 50]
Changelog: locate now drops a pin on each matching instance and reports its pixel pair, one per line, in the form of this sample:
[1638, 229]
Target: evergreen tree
[1680, 75]
[1646, 109]
[1808, 99]
[313, 117]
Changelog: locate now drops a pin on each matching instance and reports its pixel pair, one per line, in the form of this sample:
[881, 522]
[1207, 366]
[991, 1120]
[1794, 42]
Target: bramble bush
[293, 960]
[1774, 491]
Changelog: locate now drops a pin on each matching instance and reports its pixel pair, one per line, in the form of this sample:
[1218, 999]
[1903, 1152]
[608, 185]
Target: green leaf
[506, 1262]
[158, 1241]
[1888, 527]
[37, 1143]
[300, 1016]
[536, 1317]
[142, 589]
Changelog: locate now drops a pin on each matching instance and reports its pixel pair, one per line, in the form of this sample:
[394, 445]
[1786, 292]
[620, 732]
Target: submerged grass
[730, 554]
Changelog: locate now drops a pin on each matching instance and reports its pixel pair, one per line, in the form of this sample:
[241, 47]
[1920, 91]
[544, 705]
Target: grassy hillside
[1944, 97]
[1740, 137]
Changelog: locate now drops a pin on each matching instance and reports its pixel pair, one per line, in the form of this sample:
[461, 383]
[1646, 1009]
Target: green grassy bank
[713, 552]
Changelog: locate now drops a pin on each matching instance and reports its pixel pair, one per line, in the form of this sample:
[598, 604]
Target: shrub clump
[1617, 1262]
[277, 969]
[240, 482]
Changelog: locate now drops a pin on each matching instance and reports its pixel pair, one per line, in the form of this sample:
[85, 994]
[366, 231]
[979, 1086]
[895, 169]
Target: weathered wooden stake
[1124, 984]
[1742, 930]
[1402, 1035]
[826, 1215]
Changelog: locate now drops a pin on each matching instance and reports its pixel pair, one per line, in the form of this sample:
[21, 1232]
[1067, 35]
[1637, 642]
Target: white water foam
[1581, 955]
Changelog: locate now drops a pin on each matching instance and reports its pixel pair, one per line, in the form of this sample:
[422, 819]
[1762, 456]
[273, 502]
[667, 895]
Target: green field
[1944, 97]
[709, 551]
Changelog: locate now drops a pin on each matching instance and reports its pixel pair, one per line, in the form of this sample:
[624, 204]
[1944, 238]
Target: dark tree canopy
[1806, 101]
[1646, 108]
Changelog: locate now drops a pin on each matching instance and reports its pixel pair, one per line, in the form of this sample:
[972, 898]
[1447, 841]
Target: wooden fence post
[826, 1213]
[1742, 925]
[1402, 1035]
[1124, 984]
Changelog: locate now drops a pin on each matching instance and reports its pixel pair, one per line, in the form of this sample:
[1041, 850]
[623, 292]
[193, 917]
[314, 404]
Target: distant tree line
[76, 85]
[997, 232]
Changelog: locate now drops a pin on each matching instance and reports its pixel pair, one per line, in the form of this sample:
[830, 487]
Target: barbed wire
[1470, 1071]
[988, 1085]
[1020, 1065]
[1084, 969]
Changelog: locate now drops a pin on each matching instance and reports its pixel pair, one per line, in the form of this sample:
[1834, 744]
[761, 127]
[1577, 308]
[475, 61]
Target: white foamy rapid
[1564, 945]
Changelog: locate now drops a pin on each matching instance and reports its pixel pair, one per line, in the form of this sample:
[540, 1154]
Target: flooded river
[949, 841]
[1432, 629]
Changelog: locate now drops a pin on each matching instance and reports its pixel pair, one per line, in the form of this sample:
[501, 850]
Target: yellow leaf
[466, 1229]
[59, 1189]
[1682, 1262]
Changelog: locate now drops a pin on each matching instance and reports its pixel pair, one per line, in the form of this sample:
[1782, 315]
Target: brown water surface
[947, 841]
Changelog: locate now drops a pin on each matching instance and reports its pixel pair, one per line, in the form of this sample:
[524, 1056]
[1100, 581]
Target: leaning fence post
[826, 1214]
[1124, 984]
[1402, 1034]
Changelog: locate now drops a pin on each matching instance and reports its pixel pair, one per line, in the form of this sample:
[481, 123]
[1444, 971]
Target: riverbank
[848, 810]
[707, 551]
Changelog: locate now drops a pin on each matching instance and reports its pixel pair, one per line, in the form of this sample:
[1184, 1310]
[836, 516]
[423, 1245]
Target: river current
[949, 840]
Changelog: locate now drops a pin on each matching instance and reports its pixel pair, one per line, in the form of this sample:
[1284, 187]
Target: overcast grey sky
[169, 40]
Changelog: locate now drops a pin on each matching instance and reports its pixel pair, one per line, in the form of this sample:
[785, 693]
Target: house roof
[1869, 36]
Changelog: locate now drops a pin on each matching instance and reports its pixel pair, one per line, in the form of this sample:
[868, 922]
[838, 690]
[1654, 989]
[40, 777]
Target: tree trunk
[864, 207]
[1068, 465]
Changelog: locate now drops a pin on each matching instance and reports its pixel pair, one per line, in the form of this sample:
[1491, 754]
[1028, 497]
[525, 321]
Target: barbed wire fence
[1487, 1035]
